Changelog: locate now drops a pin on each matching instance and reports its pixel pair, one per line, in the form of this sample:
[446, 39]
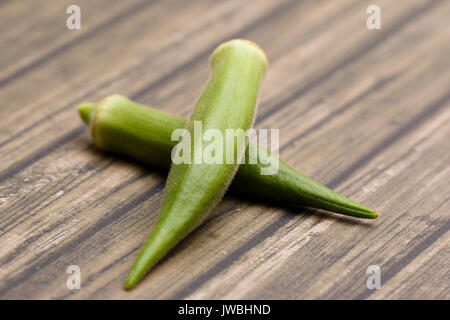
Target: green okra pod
[194, 188]
[143, 133]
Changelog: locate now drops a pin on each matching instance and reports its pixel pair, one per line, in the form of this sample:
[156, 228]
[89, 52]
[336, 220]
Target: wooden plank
[364, 112]
[45, 29]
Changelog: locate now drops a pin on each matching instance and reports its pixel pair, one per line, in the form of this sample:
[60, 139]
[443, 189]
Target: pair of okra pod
[193, 190]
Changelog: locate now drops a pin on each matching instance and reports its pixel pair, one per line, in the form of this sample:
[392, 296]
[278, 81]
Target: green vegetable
[144, 134]
[122, 126]
[193, 189]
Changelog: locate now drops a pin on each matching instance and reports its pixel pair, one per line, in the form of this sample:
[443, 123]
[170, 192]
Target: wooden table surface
[365, 112]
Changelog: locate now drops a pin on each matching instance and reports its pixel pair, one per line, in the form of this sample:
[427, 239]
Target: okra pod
[193, 187]
[144, 134]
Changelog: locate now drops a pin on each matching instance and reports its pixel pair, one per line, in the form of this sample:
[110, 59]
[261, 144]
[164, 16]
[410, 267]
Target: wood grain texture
[364, 112]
